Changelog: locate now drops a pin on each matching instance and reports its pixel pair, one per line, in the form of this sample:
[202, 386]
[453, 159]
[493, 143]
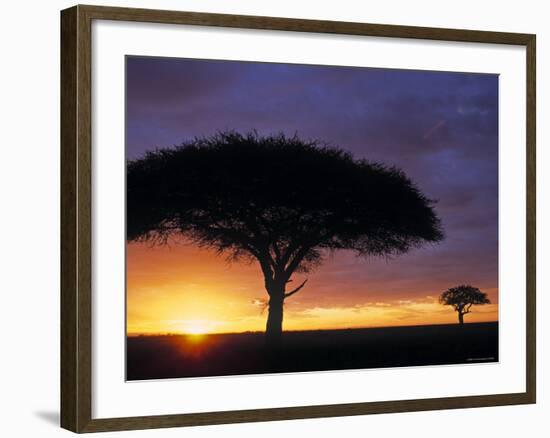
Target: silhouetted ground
[157, 357]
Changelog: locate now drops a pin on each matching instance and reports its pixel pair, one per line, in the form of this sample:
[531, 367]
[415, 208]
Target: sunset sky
[440, 128]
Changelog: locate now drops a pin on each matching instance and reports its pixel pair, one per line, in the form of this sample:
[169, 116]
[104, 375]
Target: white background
[29, 219]
[112, 397]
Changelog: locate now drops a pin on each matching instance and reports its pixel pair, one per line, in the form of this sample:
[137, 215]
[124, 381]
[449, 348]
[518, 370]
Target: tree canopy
[462, 298]
[274, 197]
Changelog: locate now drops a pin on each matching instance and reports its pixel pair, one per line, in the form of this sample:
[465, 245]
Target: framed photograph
[269, 218]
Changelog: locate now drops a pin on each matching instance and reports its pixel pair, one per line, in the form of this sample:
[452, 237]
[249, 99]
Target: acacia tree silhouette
[462, 298]
[279, 200]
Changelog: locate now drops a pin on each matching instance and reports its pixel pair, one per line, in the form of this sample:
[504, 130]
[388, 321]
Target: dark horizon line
[133, 335]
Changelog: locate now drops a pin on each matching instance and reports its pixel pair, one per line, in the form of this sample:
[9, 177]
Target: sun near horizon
[181, 289]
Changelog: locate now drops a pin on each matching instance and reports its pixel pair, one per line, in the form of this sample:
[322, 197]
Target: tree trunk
[460, 318]
[274, 327]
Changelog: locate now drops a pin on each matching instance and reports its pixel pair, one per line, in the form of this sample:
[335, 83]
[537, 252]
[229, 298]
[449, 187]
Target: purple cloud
[441, 128]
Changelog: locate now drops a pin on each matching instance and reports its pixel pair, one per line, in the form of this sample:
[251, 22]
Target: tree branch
[295, 262]
[293, 291]
[276, 252]
[266, 268]
[285, 257]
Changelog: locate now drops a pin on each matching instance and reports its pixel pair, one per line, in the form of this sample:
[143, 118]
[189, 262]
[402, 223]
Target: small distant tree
[462, 298]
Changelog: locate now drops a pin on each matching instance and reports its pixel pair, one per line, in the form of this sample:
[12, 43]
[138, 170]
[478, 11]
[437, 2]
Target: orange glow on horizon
[182, 289]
